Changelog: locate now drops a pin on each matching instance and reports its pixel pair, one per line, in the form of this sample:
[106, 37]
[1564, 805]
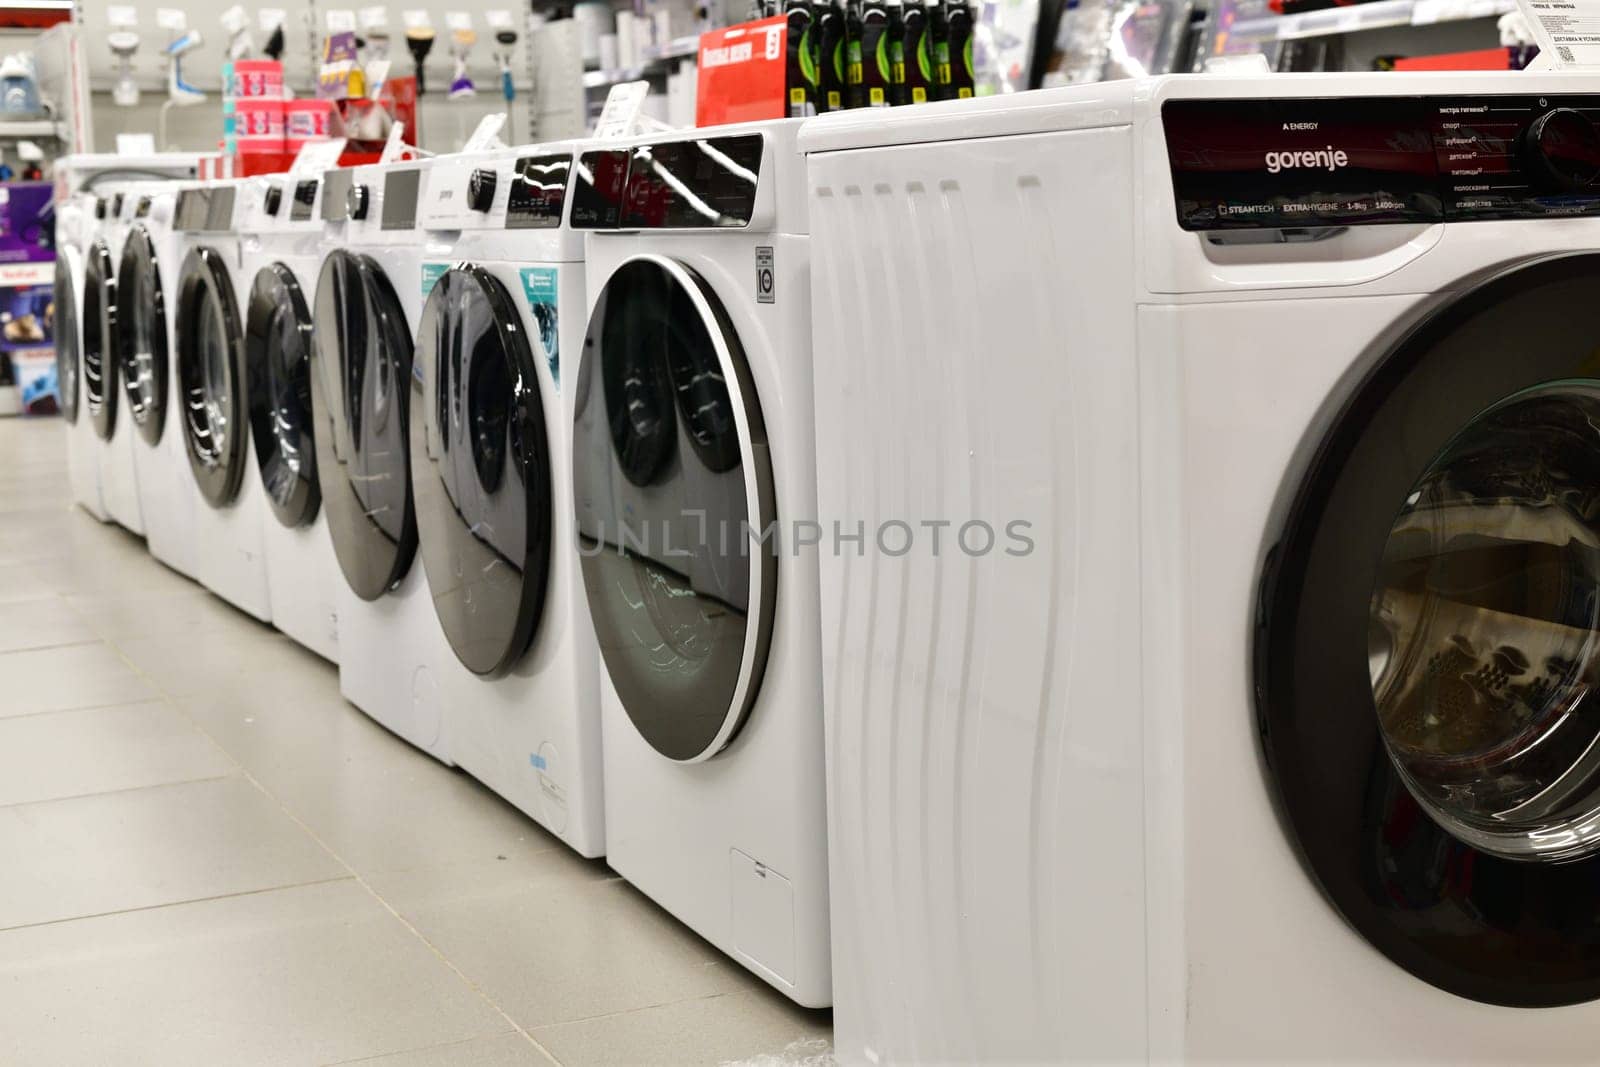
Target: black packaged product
[801, 80]
[919, 81]
[897, 53]
[877, 70]
[855, 93]
[827, 31]
[938, 35]
[961, 80]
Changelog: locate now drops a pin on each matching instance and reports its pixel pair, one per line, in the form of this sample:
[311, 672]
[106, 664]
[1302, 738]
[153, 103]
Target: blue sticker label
[537, 761]
[431, 273]
[539, 285]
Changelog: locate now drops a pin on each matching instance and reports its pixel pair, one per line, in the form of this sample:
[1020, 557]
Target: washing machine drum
[142, 326]
[480, 457]
[1428, 659]
[278, 356]
[69, 346]
[673, 486]
[99, 339]
[211, 376]
[360, 366]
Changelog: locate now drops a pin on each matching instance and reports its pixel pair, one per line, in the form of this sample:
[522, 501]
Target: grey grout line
[120, 791]
[170, 904]
[420, 1048]
[45, 648]
[153, 698]
[175, 703]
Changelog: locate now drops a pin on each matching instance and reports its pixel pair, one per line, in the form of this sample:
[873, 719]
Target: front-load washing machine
[368, 300]
[492, 475]
[73, 217]
[147, 278]
[1265, 732]
[283, 248]
[209, 363]
[102, 362]
[694, 488]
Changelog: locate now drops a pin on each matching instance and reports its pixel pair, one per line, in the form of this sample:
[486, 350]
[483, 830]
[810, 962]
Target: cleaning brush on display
[123, 44]
[461, 42]
[420, 40]
[179, 91]
[236, 24]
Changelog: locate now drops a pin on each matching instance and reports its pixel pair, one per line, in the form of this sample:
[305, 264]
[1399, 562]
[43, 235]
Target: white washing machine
[283, 248]
[73, 216]
[147, 278]
[368, 300]
[102, 361]
[491, 471]
[209, 364]
[1269, 734]
[693, 463]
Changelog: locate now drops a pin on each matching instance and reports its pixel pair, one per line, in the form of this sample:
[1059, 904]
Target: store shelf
[653, 60]
[28, 128]
[1371, 16]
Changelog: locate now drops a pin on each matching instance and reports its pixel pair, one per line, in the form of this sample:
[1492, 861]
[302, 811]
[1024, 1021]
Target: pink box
[257, 79]
[307, 120]
[258, 120]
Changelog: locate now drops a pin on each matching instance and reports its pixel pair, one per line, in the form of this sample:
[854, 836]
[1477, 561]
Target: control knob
[272, 200]
[480, 190]
[356, 202]
[1562, 150]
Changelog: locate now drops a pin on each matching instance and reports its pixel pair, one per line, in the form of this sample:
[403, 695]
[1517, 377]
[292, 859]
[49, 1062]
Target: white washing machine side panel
[972, 363]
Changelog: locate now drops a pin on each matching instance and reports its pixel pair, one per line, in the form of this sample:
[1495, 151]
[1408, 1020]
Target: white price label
[136, 144]
[498, 19]
[416, 20]
[318, 156]
[341, 20]
[620, 118]
[374, 17]
[395, 148]
[487, 134]
[1568, 31]
[270, 18]
[458, 20]
[122, 15]
[171, 18]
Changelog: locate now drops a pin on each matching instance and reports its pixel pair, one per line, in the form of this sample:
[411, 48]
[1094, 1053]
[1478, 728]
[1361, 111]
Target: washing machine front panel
[98, 339]
[681, 575]
[69, 344]
[481, 463]
[277, 353]
[360, 370]
[142, 325]
[1428, 646]
[211, 376]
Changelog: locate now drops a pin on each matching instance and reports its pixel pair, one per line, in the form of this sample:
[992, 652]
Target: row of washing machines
[1105, 573]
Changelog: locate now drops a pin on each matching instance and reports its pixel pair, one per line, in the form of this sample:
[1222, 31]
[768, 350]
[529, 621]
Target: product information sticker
[539, 285]
[431, 273]
[1567, 31]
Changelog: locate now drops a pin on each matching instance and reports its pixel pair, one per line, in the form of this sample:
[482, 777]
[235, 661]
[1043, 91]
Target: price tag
[136, 144]
[1427, 12]
[1567, 31]
[498, 19]
[122, 15]
[270, 18]
[171, 18]
[621, 114]
[487, 134]
[395, 148]
[318, 156]
[341, 20]
[234, 20]
[742, 72]
[374, 17]
[458, 20]
[416, 20]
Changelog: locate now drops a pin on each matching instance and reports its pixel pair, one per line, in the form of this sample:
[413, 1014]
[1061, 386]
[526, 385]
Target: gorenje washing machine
[102, 362]
[694, 482]
[1265, 731]
[209, 364]
[73, 216]
[368, 300]
[147, 277]
[492, 474]
[283, 249]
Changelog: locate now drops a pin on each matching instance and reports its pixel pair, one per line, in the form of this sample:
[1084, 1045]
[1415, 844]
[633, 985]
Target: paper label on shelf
[415, 20]
[458, 20]
[318, 156]
[270, 18]
[395, 148]
[341, 20]
[624, 104]
[136, 144]
[487, 133]
[372, 17]
[122, 15]
[171, 18]
[498, 19]
[1568, 31]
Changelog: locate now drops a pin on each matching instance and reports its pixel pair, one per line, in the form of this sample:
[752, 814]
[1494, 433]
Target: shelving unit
[29, 129]
[656, 60]
[1381, 14]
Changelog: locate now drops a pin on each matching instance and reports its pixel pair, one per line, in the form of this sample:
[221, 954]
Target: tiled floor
[206, 856]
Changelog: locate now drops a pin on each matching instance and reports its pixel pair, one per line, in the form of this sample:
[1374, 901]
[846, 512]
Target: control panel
[706, 183]
[401, 189]
[538, 192]
[302, 207]
[597, 189]
[1285, 164]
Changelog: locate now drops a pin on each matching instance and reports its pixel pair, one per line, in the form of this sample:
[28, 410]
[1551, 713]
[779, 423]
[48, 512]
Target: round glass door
[1428, 646]
[673, 488]
[99, 339]
[69, 348]
[142, 324]
[278, 355]
[480, 459]
[211, 376]
[360, 367]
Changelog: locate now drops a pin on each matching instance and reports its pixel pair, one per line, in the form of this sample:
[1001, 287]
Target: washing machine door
[1428, 647]
[211, 376]
[670, 460]
[480, 459]
[278, 358]
[142, 326]
[360, 367]
[99, 339]
[69, 339]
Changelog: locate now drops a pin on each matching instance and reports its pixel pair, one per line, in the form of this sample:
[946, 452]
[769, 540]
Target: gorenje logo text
[1329, 158]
